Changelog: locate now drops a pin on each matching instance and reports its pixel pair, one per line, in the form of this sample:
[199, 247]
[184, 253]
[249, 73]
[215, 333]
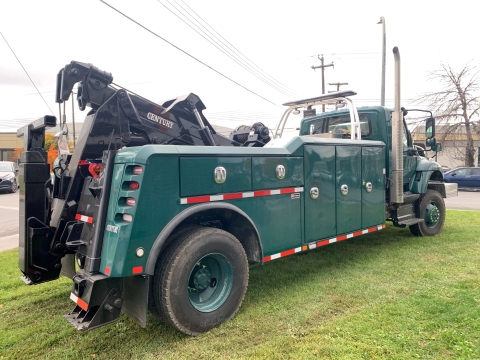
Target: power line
[183, 51]
[220, 46]
[238, 51]
[13, 52]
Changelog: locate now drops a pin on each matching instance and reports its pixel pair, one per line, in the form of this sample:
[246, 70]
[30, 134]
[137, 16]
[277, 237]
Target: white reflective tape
[216, 197]
[312, 246]
[274, 192]
[73, 297]
[276, 256]
[331, 241]
[298, 249]
[248, 194]
[183, 201]
[300, 189]
[349, 236]
[365, 231]
[379, 227]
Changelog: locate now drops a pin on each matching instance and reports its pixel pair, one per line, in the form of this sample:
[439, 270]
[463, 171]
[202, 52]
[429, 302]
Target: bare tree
[456, 107]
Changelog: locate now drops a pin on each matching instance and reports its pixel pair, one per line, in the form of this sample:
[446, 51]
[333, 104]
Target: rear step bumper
[98, 300]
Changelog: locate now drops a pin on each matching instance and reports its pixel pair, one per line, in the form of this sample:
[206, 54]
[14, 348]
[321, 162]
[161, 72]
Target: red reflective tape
[107, 270]
[198, 199]
[137, 270]
[261, 193]
[314, 245]
[232, 196]
[324, 242]
[83, 162]
[288, 252]
[82, 304]
[84, 218]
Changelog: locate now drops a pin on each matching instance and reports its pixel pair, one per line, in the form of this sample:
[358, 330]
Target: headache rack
[337, 98]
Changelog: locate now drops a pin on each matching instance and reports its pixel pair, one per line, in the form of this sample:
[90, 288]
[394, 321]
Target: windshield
[6, 167]
[338, 125]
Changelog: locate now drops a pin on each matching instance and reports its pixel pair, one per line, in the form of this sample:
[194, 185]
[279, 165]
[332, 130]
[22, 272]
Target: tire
[430, 207]
[14, 187]
[200, 280]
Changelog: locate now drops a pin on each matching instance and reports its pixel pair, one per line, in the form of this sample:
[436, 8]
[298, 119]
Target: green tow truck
[155, 211]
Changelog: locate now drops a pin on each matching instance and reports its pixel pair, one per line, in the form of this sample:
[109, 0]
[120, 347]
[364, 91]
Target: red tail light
[133, 185]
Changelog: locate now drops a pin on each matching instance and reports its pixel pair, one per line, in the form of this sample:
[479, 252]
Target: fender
[426, 171]
[172, 225]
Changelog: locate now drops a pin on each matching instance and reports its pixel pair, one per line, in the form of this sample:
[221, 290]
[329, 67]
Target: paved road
[466, 200]
[8, 221]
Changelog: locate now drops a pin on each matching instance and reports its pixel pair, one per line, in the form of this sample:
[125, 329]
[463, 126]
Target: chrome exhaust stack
[396, 190]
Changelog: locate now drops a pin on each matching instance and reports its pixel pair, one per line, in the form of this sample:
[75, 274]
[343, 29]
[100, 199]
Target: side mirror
[437, 147]
[430, 128]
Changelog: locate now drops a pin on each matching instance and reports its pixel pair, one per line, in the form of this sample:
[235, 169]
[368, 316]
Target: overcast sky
[282, 38]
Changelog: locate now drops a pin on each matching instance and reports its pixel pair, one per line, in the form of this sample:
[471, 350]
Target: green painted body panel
[348, 172]
[373, 202]
[283, 221]
[265, 177]
[320, 214]
[197, 175]
[157, 203]
[426, 168]
[277, 218]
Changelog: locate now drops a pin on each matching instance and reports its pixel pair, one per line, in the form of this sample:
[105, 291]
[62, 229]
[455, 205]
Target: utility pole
[323, 75]
[384, 57]
[338, 84]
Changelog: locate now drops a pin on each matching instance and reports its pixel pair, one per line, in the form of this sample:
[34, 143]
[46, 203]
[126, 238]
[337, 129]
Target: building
[454, 144]
[8, 143]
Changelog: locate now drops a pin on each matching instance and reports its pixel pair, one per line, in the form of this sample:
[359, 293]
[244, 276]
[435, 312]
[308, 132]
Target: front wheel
[200, 280]
[14, 187]
[431, 208]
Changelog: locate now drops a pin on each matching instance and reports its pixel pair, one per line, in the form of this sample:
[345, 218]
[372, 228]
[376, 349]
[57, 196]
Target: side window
[475, 171]
[461, 172]
[405, 137]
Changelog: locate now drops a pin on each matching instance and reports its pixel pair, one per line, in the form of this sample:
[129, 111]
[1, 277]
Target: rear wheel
[200, 280]
[431, 208]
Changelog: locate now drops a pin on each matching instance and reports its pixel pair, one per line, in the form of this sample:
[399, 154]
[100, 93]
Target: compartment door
[320, 215]
[348, 189]
[373, 186]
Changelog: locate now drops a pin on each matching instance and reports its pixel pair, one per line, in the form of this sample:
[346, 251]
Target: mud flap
[135, 303]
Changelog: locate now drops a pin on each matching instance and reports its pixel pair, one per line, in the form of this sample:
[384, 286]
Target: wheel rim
[14, 186]
[432, 215]
[210, 282]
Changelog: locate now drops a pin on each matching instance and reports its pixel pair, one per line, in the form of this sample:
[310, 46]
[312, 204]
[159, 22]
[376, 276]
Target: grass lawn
[385, 295]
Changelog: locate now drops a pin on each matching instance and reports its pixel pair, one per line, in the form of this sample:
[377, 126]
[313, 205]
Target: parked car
[8, 176]
[465, 177]
[445, 168]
